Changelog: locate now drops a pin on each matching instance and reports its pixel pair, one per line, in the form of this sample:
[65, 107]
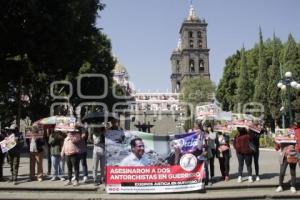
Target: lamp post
[285, 84]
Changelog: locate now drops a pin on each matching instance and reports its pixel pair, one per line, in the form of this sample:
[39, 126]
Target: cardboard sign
[8, 143]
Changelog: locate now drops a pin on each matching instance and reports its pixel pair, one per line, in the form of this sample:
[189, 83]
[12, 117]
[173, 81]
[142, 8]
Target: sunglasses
[140, 146]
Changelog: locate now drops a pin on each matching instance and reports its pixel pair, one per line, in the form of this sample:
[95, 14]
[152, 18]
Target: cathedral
[162, 113]
[191, 56]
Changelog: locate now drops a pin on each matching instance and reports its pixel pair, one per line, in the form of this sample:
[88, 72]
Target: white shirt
[132, 160]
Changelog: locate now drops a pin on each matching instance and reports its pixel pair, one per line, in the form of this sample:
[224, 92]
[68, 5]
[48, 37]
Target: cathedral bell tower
[191, 56]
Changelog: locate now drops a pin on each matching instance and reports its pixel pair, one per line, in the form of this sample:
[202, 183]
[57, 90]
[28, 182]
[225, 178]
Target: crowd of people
[70, 147]
[247, 147]
[60, 148]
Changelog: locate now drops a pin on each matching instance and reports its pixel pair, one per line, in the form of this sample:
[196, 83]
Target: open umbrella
[52, 120]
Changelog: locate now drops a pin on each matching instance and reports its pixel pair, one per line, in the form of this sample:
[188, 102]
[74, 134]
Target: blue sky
[145, 32]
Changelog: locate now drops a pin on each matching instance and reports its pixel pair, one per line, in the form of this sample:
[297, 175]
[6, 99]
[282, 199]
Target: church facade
[191, 56]
[162, 113]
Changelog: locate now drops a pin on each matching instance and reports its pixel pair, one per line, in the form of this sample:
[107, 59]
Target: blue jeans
[58, 165]
[98, 157]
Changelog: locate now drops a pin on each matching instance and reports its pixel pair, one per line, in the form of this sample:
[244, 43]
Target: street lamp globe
[288, 74]
[298, 86]
[279, 85]
[294, 84]
[283, 87]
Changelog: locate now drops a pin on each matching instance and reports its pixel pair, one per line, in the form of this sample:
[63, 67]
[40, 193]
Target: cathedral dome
[119, 68]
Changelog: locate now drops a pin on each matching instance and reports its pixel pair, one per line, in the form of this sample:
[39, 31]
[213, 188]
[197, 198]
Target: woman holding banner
[35, 143]
[288, 157]
[223, 154]
[255, 137]
[211, 144]
[241, 144]
[202, 148]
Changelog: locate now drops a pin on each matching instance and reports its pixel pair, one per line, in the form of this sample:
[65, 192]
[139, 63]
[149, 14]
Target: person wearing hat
[98, 138]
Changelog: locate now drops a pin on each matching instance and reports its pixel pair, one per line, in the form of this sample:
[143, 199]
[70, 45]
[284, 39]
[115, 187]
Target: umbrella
[98, 117]
[66, 127]
[52, 120]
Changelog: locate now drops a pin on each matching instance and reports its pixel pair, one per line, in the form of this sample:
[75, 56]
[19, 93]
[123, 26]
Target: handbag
[291, 155]
[292, 159]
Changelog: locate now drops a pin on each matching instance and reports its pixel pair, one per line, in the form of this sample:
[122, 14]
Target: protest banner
[155, 170]
[8, 143]
[285, 136]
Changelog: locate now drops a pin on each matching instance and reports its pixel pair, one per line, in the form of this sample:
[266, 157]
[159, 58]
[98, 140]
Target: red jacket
[241, 144]
[297, 135]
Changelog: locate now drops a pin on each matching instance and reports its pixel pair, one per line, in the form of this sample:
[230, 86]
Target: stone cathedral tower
[190, 58]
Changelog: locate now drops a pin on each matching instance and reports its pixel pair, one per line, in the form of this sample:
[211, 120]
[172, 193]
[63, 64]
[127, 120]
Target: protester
[211, 144]
[202, 148]
[136, 157]
[223, 154]
[288, 157]
[35, 145]
[56, 140]
[47, 133]
[99, 153]
[255, 141]
[71, 152]
[241, 144]
[115, 133]
[14, 155]
[83, 152]
[2, 155]
[297, 136]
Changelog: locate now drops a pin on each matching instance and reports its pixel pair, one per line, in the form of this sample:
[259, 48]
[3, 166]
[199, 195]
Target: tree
[243, 95]
[226, 90]
[260, 94]
[44, 41]
[274, 97]
[196, 91]
[291, 60]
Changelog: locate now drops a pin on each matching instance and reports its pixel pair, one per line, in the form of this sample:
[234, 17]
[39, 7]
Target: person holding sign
[14, 154]
[137, 157]
[288, 157]
[35, 143]
[99, 153]
[223, 154]
[2, 155]
[241, 144]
